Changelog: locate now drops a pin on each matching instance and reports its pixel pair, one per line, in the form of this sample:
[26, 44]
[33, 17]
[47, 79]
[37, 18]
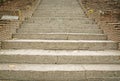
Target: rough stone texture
[58, 72]
[60, 44]
[59, 57]
[61, 36]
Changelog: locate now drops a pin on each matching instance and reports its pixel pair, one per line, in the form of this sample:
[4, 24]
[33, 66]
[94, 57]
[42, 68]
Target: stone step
[58, 11]
[60, 36]
[61, 23]
[59, 57]
[58, 15]
[60, 8]
[59, 30]
[38, 21]
[58, 25]
[32, 27]
[51, 72]
[60, 44]
[60, 18]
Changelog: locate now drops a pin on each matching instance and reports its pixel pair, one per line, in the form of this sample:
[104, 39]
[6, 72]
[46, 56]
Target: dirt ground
[16, 4]
[107, 14]
[21, 8]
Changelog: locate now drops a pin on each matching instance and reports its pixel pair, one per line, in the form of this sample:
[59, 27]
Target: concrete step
[60, 20]
[61, 36]
[33, 27]
[60, 44]
[58, 11]
[60, 8]
[36, 72]
[59, 57]
[58, 25]
[60, 30]
[61, 17]
[58, 15]
[62, 23]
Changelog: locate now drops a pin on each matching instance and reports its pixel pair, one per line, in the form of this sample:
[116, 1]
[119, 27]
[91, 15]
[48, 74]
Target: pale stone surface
[59, 57]
[60, 30]
[60, 44]
[58, 72]
[9, 17]
[61, 36]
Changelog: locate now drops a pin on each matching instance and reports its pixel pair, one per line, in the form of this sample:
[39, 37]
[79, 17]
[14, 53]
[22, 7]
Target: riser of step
[58, 25]
[61, 5]
[59, 45]
[62, 24]
[58, 14]
[57, 36]
[58, 72]
[68, 21]
[61, 18]
[32, 27]
[59, 8]
[59, 11]
[97, 31]
[88, 79]
[59, 57]
[39, 27]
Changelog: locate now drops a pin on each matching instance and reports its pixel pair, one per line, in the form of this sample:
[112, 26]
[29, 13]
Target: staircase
[59, 43]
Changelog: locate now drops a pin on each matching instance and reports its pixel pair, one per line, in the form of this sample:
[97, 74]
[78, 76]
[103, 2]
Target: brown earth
[21, 8]
[107, 14]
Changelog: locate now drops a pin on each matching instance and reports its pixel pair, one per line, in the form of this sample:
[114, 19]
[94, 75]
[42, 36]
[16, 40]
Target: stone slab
[61, 36]
[60, 44]
[59, 57]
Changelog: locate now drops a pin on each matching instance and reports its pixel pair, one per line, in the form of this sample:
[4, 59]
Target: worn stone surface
[59, 57]
[60, 44]
[61, 36]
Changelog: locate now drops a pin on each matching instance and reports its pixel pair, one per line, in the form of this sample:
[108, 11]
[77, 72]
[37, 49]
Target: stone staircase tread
[59, 34]
[60, 67]
[59, 52]
[30, 56]
[71, 18]
[77, 41]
